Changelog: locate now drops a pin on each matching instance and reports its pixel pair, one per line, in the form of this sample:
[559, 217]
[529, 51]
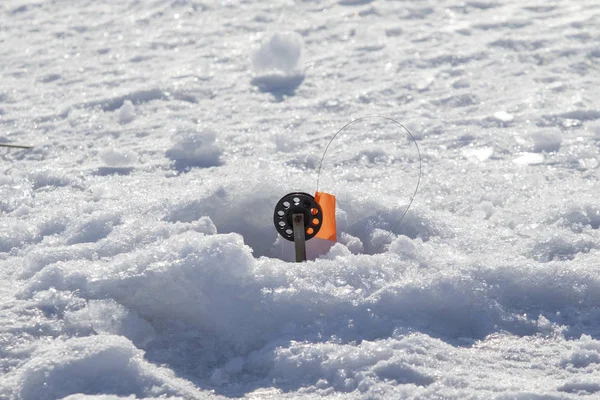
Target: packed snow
[138, 257]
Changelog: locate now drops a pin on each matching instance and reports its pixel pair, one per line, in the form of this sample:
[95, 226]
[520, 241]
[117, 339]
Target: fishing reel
[295, 211]
[299, 217]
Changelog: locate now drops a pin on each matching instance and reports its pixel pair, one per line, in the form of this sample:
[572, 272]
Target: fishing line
[418, 178]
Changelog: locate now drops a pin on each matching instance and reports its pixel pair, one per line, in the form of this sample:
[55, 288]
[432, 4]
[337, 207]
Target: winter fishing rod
[298, 216]
[15, 146]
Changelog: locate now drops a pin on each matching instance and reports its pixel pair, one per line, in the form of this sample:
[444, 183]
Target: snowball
[280, 52]
[194, 148]
[488, 208]
[276, 63]
[546, 141]
[126, 112]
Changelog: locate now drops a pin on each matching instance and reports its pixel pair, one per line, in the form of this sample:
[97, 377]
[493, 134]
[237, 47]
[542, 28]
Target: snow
[529, 159]
[90, 364]
[546, 141]
[126, 112]
[503, 116]
[480, 154]
[193, 147]
[138, 257]
[277, 63]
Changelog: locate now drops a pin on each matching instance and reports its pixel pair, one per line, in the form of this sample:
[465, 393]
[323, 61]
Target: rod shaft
[15, 146]
[299, 237]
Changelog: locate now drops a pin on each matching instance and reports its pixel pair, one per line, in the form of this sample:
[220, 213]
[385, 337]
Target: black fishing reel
[293, 204]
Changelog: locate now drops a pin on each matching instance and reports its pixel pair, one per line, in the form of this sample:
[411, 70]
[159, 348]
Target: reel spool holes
[297, 203]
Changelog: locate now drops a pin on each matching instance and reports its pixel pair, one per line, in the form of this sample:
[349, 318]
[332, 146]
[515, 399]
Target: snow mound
[347, 368]
[577, 217]
[91, 365]
[49, 178]
[15, 234]
[191, 276]
[226, 204]
[585, 354]
[109, 317]
[194, 148]
[276, 63]
[96, 227]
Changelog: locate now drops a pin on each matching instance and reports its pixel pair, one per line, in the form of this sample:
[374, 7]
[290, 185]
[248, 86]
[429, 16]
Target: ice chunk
[529, 159]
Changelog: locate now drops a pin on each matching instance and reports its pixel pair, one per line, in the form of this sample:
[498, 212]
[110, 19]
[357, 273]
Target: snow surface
[137, 253]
